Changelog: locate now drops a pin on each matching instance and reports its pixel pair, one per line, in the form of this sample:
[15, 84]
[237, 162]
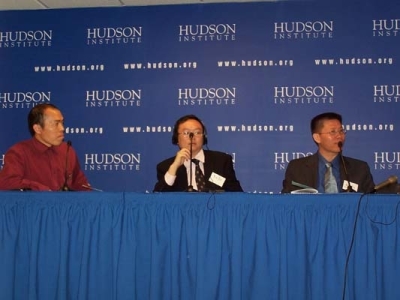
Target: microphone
[390, 180]
[346, 174]
[65, 187]
[89, 187]
[190, 187]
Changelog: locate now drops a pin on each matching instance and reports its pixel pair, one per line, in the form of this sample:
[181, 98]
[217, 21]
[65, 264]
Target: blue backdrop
[255, 73]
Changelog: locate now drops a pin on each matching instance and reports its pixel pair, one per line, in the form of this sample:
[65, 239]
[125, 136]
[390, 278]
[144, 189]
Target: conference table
[125, 245]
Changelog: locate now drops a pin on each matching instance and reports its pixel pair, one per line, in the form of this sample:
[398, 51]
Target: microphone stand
[349, 188]
[190, 186]
[65, 187]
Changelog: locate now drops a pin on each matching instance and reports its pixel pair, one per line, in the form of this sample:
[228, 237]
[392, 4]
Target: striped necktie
[329, 180]
[199, 176]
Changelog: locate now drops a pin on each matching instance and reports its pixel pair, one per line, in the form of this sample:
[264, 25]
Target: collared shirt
[32, 165]
[170, 179]
[321, 172]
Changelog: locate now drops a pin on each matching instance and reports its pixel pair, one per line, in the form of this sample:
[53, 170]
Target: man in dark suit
[329, 135]
[173, 174]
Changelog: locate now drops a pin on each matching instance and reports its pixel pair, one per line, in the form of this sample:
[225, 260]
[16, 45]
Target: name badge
[217, 179]
[353, 185]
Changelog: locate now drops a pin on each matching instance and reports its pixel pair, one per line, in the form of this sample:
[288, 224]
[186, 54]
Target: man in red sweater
[44, 162]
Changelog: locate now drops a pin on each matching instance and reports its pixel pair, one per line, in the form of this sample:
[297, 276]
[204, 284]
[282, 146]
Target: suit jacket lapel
[312, 164]
[207, 165]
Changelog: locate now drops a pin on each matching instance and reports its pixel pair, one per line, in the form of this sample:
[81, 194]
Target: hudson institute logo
[207, 96]
[207, 33]
[26, 39]
[385, 28]
[387, 160]
[387, 93]
[113, 98]
[303, 95]
[303, 30]
[281, 159]
[112, 161]
[114, 35]
[15, 100]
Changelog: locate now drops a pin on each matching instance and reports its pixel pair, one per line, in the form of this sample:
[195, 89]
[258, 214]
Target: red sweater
[32, 165]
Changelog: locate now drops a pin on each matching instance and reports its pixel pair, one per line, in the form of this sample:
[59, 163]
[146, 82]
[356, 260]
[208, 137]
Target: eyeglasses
[187, 133]
[335, 132]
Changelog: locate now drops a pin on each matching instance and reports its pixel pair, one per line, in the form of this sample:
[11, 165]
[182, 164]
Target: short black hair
[36, 115]
[318, 121]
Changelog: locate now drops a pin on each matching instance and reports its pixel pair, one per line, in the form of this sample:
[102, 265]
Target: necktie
[199, 176]
[329, 180]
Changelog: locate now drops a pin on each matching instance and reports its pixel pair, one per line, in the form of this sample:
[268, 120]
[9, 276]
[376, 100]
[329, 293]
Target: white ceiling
[49, 4]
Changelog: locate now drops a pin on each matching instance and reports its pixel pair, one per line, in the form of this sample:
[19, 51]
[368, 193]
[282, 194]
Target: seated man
[312, 171]
[44, 162]
[174, 173]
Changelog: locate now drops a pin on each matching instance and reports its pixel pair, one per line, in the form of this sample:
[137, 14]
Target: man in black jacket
[174, 173]
[329, 135]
